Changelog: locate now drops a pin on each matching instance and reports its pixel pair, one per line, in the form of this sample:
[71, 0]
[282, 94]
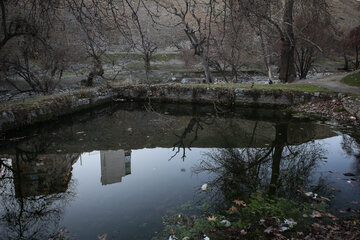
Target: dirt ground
[332, 82]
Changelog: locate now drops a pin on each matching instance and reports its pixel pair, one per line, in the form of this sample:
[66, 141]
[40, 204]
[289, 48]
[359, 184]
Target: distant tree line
[41, 39]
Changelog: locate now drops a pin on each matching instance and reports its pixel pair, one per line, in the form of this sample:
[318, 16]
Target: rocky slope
[346, 12]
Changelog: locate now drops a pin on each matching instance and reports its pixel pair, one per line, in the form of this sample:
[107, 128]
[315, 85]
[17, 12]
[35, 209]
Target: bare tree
[230, 39]
[39, 65]
[314, 30]
[91, 23]
[194, 16]
[33, 57]
[25, 18]
[353, 41]
[294, 22]
[142, 41]
[279, 15]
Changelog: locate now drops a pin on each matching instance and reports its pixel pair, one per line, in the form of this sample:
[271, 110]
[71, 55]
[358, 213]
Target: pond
[118, 170]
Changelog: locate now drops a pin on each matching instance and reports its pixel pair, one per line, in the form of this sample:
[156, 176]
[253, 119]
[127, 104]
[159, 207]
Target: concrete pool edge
[44, 108]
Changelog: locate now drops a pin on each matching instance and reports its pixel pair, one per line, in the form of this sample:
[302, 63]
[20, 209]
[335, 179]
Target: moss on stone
[286, 87]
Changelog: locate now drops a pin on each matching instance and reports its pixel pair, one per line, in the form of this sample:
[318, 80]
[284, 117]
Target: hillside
[346, 12]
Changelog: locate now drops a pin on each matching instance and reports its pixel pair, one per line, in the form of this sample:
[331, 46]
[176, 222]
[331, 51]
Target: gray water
[118, 170]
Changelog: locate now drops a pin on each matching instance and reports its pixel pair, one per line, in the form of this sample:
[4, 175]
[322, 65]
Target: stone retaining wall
[248, 97]
[20, 114]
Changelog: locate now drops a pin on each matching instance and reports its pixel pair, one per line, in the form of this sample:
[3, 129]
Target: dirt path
[332, 82]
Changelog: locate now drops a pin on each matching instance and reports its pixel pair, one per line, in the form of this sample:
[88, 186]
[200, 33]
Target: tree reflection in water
[352, 148]
[279, 169]
[35, 189]
[193, 127]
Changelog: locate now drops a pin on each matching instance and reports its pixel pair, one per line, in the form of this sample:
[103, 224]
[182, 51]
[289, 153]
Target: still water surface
[118, 170]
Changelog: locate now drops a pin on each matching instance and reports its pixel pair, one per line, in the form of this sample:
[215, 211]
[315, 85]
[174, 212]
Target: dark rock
[349, 175]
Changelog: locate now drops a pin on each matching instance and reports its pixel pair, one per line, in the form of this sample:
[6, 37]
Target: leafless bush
[42, 71]
[188, 56]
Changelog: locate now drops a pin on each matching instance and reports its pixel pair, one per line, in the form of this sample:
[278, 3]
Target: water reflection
[35, 188]
[352, 148]
[280, 168]
[243, 152]
[115, 165]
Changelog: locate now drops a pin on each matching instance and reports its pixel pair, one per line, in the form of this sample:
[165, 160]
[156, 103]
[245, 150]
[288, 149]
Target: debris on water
[324, 198]
[349, 175]
[204, 187]
[226, 223]
[233, 209]
[283, 229]
[181, 219]
[269, 230]
[315, 196]
[332, 188]
[309, 194]
[290, 222]
[316, 214]
[348, 181]
[240, 203]
[102, 237]
[16, 138]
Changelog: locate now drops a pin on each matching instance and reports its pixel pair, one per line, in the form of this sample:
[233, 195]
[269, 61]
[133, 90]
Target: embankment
[44, 108]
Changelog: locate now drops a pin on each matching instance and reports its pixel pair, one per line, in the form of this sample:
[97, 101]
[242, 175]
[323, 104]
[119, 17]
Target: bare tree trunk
[346, 64]
[287, 61]
[205, 63]
[279, 145]
[147, 66]
[96, 71]
[234, 72]
[270, 74]
[357, 63]
[265, 55]
[268, 67]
